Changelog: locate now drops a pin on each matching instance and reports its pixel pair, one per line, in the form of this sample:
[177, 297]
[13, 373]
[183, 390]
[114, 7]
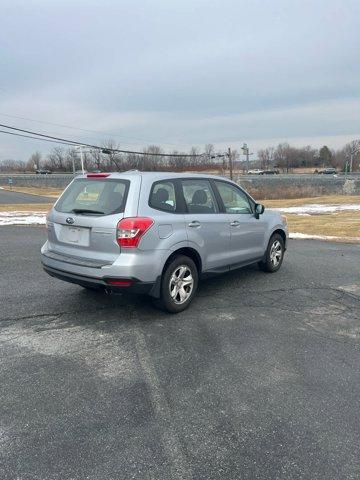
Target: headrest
[162, 195]
[199, 197]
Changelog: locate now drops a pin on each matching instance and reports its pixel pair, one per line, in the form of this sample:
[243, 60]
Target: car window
[162, 196]
[199, 197]
[103, 196]
[235, 201]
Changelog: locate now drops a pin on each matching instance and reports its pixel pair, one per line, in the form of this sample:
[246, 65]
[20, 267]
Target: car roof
[153, 176]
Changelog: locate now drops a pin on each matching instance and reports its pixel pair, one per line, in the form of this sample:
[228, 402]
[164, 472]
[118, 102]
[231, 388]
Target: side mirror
[259, 209]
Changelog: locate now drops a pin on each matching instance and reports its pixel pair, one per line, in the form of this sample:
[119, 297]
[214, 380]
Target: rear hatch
[82, 224]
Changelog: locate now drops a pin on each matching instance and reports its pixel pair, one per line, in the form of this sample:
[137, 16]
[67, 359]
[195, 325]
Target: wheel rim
[276, 253]
[181, 284]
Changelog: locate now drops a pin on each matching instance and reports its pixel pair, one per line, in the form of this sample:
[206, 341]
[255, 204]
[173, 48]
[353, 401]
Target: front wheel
[274, 254]
[179, 284]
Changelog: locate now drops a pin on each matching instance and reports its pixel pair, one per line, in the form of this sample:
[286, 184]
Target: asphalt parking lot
[259, 379]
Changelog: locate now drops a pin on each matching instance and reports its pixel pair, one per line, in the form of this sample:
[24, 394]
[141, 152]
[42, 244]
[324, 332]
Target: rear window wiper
[86, 210]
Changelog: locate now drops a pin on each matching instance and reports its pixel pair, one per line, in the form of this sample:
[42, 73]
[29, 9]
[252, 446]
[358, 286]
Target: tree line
[286, 157]
[283, 157]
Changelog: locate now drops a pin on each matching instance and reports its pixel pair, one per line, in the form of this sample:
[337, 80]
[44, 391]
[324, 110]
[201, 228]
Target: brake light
[130, 231]
[97, 175]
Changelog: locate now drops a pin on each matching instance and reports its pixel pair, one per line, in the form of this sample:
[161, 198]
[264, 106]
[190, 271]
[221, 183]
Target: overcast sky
[180, 73]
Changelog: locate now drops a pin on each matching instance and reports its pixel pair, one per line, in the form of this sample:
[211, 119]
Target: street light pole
[245, 150]
[80, 149]
[82, 160]
[247, 154]
[354, 151]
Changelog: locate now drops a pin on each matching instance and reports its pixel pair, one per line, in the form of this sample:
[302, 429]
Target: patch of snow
[318, 208]
[22, 218]
[297, 235]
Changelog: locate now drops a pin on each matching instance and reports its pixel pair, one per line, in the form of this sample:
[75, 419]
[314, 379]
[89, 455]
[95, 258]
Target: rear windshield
[87, 196]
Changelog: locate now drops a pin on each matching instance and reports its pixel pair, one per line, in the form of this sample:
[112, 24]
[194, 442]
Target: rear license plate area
[75, 235]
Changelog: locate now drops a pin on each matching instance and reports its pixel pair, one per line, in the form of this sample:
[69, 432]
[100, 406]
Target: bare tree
[56, 159]
[34, 161]
[96, 158]
[10, 165]
[152, 159]
[114, 160]
[178, 163]
[266, 157]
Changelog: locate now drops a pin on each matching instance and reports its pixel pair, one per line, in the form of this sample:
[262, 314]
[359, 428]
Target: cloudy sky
[180, 72]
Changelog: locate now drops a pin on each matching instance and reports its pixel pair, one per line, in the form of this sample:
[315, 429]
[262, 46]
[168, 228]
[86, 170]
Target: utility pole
[230, 163]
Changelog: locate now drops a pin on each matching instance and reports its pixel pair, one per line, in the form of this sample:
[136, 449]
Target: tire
[176, 296]
[274, 254]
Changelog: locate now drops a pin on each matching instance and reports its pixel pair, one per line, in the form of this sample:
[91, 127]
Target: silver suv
[158, 233]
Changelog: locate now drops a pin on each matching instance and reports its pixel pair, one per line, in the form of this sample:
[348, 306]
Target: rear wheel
[274, 254]
[179, 284]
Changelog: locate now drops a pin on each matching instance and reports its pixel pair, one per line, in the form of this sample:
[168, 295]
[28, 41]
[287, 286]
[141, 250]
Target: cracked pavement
[259, 379]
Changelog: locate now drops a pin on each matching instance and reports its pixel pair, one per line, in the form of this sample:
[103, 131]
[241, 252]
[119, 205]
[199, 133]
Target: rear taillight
[130, 231]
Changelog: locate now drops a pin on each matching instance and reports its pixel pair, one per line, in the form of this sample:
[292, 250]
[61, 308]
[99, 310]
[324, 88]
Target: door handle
[194, 224]
[235, 223]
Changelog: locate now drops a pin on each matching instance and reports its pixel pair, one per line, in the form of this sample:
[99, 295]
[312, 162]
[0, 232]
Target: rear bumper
[143, 268]
[137, 286]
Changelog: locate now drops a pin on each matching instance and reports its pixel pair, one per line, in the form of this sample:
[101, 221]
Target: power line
[82, 129]
[35, 138]
[72, 142]
[105, 149]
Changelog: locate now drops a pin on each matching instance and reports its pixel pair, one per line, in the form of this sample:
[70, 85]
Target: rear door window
[94, 197]
[162, 196]
[199, 197]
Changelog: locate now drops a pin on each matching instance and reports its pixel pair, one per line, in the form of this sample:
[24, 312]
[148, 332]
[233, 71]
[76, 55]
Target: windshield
[87, 196]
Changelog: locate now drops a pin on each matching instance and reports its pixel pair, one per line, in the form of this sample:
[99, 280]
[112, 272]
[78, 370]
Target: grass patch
[327, 199]
[42, 191]
[340, 224]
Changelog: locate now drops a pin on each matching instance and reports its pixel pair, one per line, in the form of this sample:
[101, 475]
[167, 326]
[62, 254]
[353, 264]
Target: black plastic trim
[137, 286]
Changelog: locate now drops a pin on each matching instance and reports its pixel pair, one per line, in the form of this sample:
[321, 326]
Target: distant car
[255, 171]
[328, 171]
[43, 171]
[80, 172]
[271, 172]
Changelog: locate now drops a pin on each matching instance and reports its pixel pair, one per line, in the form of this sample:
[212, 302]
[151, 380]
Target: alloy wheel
[181, 284]
[276, 253]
